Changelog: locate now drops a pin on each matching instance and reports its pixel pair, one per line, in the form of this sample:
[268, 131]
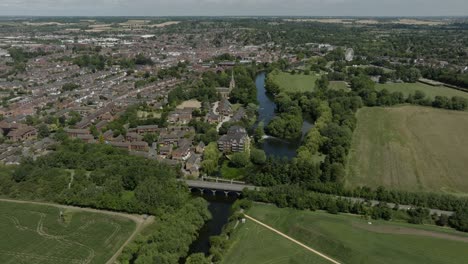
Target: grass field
[254, 244]
[410, 148]
[295, 82]
[430, 91]
[231, 173]
[33, 233]
[338, 85]
[348, 239]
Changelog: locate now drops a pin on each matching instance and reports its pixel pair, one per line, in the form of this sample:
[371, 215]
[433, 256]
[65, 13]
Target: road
[293, 240]
[139, 220]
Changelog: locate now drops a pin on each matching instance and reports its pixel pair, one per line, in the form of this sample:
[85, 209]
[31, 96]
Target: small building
[182, 152]
[74, 133]
[200, 148]
[22, 133]
[225, 108]
[86, 138]
[132, 137]
[147, 129]
[193, 165]
[213, 118]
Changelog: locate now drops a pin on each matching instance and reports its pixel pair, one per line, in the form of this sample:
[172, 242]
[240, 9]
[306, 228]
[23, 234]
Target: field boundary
[292, 239]
[139, 220]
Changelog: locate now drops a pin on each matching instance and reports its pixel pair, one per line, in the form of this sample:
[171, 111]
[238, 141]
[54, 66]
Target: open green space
[346, 238]
[232, 173]
[288, 82]
[430, 91]
[338, 85]
[253, 243]
[34, 233]
[410, 148]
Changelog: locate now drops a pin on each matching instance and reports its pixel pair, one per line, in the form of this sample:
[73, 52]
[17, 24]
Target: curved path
[293, 240]
[139, 220]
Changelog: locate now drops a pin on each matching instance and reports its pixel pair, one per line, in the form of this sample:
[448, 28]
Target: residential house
[147, 129]
[225, 108]
[74, 133]
[193, 165]
[22, 133]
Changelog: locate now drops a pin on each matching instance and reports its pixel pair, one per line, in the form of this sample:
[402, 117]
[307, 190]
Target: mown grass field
[254, 244]
[346, 238]
[430, 91]
[37, 234]
[410, 148]
[338, 85]
[295, 82]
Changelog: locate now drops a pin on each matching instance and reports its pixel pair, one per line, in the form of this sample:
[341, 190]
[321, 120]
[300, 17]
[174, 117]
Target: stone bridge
[218, 185]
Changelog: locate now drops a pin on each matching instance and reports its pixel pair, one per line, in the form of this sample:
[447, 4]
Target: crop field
[346, 238]
[429, 91]
[32, 233]
[295, 82]
[410, 148]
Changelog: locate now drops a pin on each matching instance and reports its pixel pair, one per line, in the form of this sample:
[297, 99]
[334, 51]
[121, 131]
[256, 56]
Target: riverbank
[267, 111]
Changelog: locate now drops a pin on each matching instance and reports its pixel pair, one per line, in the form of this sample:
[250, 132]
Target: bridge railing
[215, 179]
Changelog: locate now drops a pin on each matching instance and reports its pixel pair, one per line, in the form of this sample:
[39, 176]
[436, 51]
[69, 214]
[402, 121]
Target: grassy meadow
[410, 148]
[295, 82]
[37, 234]
[430, 91]
[338, 85]
[346, 238]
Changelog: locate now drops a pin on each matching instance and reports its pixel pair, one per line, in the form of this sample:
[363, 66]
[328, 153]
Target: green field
[410, 148]
[232, 173]
[288, 82]
[346, 238]
[430, 91]
[33, 233]
[338, 85]
[252, 244]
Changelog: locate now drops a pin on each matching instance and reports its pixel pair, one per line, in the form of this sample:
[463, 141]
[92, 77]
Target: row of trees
[298, 197]
[168, 240]
[365, 88]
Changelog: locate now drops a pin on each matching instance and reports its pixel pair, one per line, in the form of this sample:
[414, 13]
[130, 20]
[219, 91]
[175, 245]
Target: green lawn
[231, 173]
[346, 238]
[410, 148]
[36, 234]
[338, 85]
[295, 82]
[430, 91]
[252, 244]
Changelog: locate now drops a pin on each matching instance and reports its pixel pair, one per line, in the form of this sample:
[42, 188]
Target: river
[220, 208]
[219, 205]
[267, 106]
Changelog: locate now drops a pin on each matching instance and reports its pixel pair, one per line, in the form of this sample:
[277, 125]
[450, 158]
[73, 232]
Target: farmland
[346, 238]
[33, 233]
[429, 91]
[410, 148]
[288, 82]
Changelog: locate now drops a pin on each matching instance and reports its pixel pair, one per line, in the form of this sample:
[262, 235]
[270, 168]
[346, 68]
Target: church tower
[232, 84]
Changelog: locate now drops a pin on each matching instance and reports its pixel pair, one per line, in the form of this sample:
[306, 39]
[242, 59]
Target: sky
[234, 7]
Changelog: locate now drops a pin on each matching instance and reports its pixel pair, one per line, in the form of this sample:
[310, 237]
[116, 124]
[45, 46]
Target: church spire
[232, 84]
